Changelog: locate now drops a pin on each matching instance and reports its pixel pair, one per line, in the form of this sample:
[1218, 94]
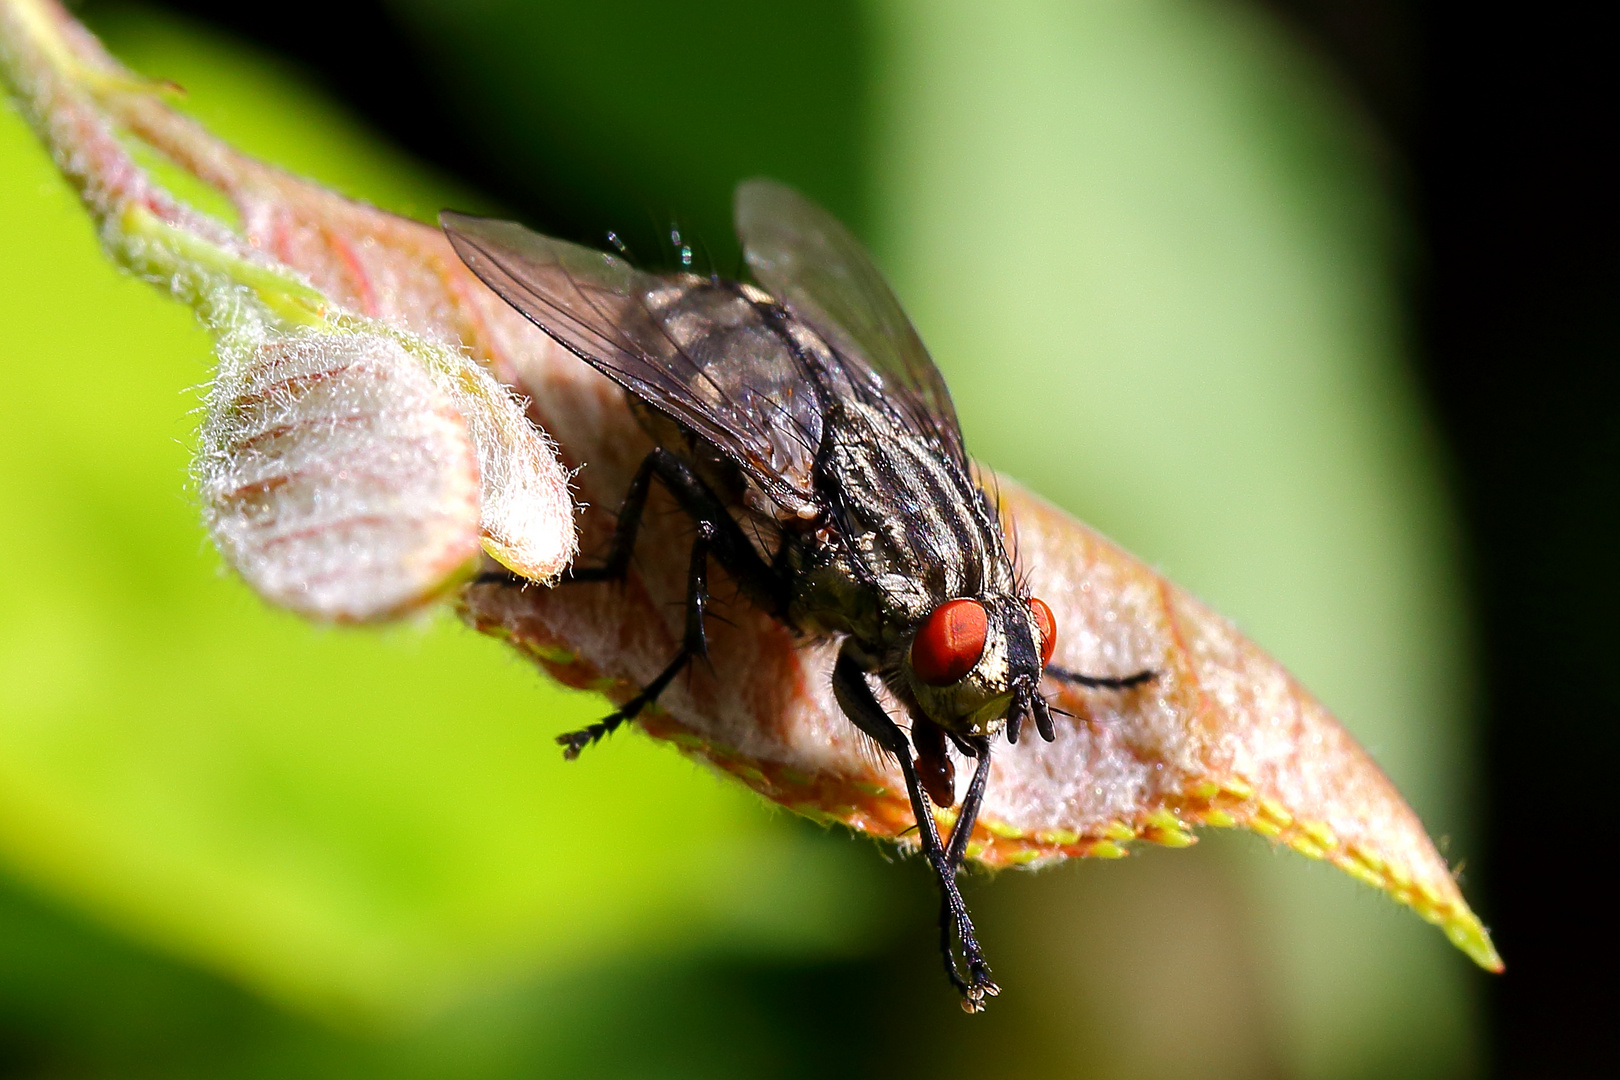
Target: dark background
[1496, 121]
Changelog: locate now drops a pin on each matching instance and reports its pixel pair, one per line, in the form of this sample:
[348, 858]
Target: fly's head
[975, 664]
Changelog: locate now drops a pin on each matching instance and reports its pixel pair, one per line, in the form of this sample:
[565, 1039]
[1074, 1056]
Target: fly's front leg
[861, 706]
[962, 831]
[1043, 712]
[1102, 682]
[694, 644]
[955, 852]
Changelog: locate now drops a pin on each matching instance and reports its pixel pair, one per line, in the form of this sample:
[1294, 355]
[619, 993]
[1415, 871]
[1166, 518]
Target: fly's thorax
[913, 525]
[908, 532]
[825, 598]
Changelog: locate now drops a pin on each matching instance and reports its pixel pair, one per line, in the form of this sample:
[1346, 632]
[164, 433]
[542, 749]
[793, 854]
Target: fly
[804, 428]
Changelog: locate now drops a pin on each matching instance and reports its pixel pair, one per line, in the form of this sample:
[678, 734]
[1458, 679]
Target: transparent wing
[695, 350]
[811, 263]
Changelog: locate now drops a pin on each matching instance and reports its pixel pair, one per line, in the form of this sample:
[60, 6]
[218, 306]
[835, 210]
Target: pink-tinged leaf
[1222, 737]
[337, 479]
[303, 287]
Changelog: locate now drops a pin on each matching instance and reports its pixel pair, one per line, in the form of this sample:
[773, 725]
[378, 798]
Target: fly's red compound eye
[950, 642]
[1047, 626]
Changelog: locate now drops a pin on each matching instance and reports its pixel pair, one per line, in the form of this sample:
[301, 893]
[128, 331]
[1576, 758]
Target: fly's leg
[623, 543]
[963, 829]
[1043, 712]
[727, 541]
[694, 645]
[1102, 682]
[855, 697]
[620, 547]
[955, 852]
[717, 534]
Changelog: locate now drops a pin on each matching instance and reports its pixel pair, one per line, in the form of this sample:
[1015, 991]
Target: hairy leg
[858, 702]
[1102, 682]
[694, 644]
[718, 534]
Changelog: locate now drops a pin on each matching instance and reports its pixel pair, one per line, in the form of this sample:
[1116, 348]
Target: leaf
[338, 479]
[253, 293]
[1224, 738]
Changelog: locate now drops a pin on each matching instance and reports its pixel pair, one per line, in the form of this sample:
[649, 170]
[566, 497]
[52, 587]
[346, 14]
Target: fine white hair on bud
[526, 513]
[337, 477]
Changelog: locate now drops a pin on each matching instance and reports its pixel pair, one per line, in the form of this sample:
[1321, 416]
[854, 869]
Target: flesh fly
[802, 425]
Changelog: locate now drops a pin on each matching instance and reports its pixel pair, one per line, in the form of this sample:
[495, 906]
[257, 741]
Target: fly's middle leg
[717, 534]
[625, 528]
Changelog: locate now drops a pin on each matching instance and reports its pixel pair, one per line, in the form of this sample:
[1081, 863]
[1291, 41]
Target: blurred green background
[1156, 253]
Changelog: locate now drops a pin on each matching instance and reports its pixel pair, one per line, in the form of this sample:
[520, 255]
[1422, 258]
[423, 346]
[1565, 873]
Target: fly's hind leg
[694, 645]
[726, 539]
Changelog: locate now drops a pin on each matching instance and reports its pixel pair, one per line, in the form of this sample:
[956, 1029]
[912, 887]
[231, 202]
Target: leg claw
[574, 741]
